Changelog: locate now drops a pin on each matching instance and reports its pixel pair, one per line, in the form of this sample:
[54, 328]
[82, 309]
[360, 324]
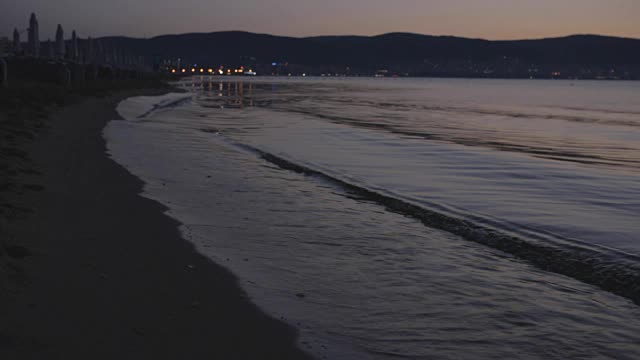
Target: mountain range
[401, 53]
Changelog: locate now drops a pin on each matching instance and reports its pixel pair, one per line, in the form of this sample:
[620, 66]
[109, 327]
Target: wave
[140, 107]
[540, 151]
[170, 103]
[591, 116]
[617, 273]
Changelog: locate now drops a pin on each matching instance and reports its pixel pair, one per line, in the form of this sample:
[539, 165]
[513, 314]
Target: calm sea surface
[411, 218]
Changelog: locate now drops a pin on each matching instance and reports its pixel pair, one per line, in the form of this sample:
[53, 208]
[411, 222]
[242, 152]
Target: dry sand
[98, 272]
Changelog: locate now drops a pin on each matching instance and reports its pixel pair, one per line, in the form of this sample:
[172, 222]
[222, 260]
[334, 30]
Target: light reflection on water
[375, 284]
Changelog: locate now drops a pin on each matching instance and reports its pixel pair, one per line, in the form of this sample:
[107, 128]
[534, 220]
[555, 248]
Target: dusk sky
[491, 19]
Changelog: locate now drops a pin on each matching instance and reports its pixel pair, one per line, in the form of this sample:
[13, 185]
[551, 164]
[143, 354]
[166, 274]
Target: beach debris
[191, 267]
[300, 295]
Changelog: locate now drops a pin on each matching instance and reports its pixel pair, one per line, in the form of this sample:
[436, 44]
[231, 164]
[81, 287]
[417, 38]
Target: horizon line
[367, 36]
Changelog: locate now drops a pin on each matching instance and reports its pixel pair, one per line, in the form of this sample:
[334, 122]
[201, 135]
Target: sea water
[418, 218]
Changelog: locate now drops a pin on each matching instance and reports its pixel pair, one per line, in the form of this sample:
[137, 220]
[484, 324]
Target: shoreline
[105, 273]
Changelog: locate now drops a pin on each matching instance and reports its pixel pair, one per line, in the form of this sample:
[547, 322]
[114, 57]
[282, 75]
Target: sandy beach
[90, 269]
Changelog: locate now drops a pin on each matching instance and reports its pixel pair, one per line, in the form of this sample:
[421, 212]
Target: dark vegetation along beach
[88, 268]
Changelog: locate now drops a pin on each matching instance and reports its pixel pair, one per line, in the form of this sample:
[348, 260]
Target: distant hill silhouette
[401, 53]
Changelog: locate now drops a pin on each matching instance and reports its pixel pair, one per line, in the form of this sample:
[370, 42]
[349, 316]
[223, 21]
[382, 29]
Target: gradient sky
[490, 19]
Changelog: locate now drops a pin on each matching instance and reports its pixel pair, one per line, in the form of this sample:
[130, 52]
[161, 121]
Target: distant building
[98, 56]
[34, 36]
[5, 46]
[74, 46]
[89, 54]
[51, 51]
[16, 41]
[60, 46]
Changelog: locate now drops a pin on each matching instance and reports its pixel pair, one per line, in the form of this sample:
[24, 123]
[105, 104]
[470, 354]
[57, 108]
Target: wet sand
[90, 269]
